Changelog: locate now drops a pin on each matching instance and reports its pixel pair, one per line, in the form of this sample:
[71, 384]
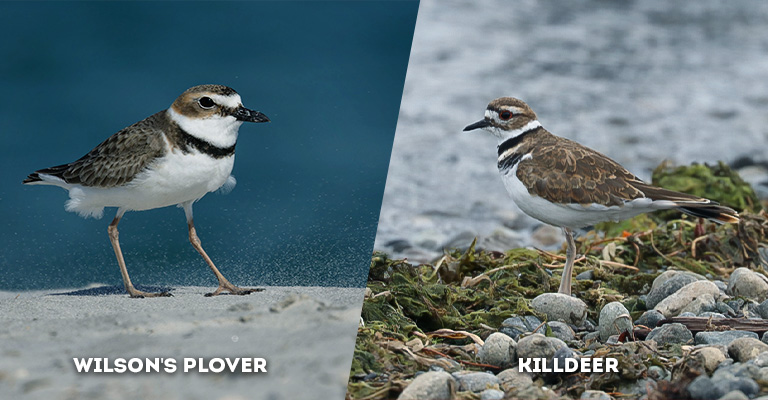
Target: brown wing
[564, 171]
[117, 160]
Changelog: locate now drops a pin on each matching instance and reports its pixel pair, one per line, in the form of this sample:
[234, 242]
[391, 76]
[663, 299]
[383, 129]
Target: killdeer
[565, 184]
[173, 157]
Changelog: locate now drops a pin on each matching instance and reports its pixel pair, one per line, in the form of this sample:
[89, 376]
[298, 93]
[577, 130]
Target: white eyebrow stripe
[231, 101]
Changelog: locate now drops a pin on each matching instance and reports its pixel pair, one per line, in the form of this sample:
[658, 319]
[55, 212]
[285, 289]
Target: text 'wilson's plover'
[565, 184]
[173, 157]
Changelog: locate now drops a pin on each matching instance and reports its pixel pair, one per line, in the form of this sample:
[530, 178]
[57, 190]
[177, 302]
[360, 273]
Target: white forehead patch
[231, 101]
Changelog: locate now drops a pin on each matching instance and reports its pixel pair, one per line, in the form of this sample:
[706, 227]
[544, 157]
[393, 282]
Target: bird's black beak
[244, 114]
[477, 125]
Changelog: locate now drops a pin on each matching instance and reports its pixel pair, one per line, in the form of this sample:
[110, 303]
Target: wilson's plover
[173, 157]
[565, 184]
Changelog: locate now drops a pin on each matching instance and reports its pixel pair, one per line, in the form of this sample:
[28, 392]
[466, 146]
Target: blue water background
[310, 183]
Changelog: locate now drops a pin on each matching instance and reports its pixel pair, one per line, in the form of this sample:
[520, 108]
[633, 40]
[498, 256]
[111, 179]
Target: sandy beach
[306, 335]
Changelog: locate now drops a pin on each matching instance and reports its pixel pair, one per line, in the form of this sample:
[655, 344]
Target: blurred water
[310, 183]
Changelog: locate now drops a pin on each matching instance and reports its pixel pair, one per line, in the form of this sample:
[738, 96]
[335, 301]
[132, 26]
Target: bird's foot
[232, 289]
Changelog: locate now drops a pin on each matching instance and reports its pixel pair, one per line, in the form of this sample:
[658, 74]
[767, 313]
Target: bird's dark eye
[505, 115]
[206, 102]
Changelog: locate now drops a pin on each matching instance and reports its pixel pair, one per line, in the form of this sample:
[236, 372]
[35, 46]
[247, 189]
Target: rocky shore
[681, 305]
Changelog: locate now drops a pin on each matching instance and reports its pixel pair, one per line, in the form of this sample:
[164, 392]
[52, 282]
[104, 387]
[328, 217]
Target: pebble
[499, 350]
[746, 348]
[670, 333]
[734, 395]
[513, 379]
[650, 318]
[715, 315]
[491, 394]
[667, 287]
[476, 382]
[719, 385]
[761, 360]
[561, 330]
[765, 338]
[762, 309]
[595, 395]
[667, 275]
[516, 326]
[726, 382]
[614, 319]
[433, 385]
[587, 275]
[746, 283]
[703, 388]
[561, 307]
[538, 346]
[721, 285]
[721, 307]
[723, 337]
[688, 296]
[687, 314]
[710, 357]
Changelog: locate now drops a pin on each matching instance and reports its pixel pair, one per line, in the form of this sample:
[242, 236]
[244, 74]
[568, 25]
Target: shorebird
[564, 184]
[173, 157]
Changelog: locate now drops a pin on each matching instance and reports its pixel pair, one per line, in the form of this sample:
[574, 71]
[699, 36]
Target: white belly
[574, 215]
[176, 178]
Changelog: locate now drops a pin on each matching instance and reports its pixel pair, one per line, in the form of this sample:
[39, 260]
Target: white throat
[218, 131]
[504, 135]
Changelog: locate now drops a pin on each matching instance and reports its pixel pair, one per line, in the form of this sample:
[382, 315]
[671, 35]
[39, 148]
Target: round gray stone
[734, 395]
[726, 383]
[512, 378]
[703, 388]
[517, 325]
[746, 283]
[723, 337]
[595, 395]
[538, 346]
[561, 330]
[762, 309]
[476, 382]
[650, 318]
[670, 333]
[491, 394]
[761, 360]
[433, 385]
[560, 307]
[498, 350]
[667, 275]
[710, 357]
[614, 319]
[669, 286]
[587, 275]
[691, 297]
[746, 348]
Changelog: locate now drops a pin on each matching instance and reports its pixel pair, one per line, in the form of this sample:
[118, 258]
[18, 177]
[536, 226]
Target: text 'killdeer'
[565, 184]
[173, 157]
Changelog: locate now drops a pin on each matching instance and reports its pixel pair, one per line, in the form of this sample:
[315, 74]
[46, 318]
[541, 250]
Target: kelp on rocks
[415, 317]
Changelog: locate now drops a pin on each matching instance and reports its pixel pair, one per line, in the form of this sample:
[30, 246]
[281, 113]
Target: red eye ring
[505, 115]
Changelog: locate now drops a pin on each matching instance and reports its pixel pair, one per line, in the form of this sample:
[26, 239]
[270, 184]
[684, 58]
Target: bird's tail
[690, 204]
[712, 212]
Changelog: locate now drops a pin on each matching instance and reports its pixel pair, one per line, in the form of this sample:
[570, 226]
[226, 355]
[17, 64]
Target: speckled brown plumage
[117, 160]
